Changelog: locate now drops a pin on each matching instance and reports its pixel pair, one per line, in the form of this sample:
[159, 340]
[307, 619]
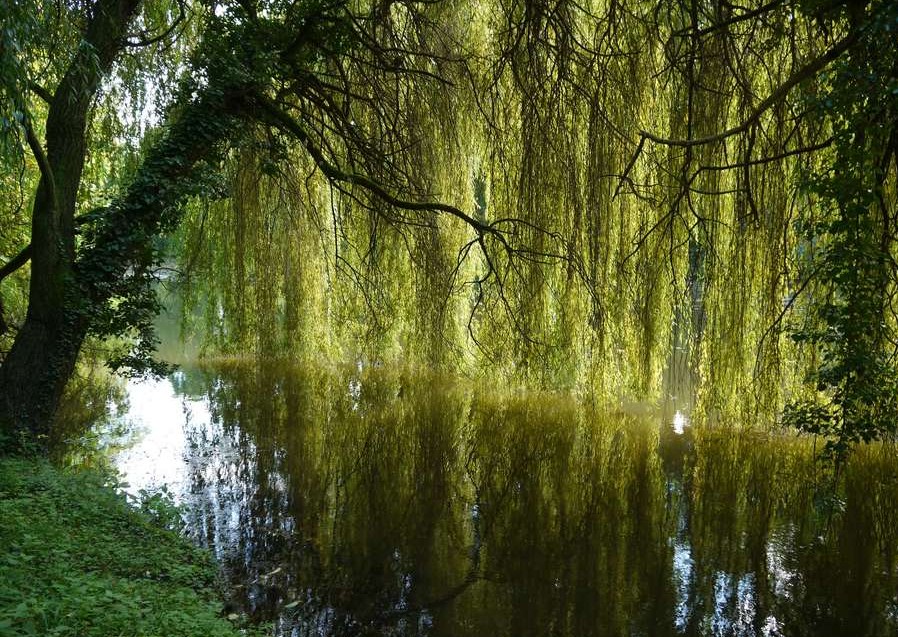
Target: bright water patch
[158, 416]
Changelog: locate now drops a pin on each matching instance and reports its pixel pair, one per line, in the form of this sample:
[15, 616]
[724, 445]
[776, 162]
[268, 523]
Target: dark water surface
[383, 503]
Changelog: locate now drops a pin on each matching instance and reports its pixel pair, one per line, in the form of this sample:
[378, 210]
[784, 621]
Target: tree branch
[42, 163]
[11, 266]
[760, 161]
[806, 72]
[25, 254]
[285, 122]
[16, 262]
[40, 91]
[150, 40]
[742, 17]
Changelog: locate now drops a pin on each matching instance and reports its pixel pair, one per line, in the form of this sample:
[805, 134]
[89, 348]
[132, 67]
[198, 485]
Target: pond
[376, 502]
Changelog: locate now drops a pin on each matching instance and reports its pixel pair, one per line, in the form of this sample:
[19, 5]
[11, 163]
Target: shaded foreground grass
[76, 559]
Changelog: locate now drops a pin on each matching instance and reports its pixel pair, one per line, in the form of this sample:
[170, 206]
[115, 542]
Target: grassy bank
[76, 559]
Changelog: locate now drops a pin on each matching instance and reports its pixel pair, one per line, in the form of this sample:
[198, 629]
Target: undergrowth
[76, 559]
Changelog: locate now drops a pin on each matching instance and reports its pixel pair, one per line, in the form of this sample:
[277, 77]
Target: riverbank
[77, 559]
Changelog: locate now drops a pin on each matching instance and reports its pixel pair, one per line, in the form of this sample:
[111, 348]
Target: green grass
[76, 559]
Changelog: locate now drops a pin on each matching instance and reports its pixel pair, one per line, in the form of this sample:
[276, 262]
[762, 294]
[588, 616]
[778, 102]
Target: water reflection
[374, 502]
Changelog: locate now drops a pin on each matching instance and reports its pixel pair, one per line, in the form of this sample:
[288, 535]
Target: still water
[385, 503]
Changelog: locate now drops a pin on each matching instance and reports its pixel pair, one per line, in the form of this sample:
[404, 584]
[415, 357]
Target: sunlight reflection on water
[680, 422]
[159, 454]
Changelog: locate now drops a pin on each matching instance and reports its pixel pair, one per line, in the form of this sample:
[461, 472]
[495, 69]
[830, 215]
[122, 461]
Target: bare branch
[770, 158]
[742, 17]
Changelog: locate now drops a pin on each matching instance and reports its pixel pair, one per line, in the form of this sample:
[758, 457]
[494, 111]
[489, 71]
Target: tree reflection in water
[389, 503]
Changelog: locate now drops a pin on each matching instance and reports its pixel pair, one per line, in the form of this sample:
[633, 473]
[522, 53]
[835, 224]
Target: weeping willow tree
[600, 195]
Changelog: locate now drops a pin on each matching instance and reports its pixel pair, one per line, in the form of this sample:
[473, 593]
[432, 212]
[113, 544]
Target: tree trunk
[43, 357]
[35, 371]
[34, 376]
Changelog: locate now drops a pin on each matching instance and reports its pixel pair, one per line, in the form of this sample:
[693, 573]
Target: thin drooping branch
[778, 95]
[284, 121]
[502, 230]
[497, 229]
[806, 72]
[787, 307]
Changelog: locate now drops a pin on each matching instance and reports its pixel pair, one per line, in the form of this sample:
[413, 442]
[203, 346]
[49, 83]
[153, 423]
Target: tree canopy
[611, 194]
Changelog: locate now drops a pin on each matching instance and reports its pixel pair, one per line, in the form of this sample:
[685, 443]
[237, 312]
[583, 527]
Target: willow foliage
[599, 195]
[627, 263]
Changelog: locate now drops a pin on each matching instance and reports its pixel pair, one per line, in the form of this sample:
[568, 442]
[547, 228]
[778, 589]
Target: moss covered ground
[76, 558]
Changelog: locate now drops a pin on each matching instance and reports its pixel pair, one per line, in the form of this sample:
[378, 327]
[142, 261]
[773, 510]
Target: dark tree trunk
[34, 376]
[35, 371]
[70, 290]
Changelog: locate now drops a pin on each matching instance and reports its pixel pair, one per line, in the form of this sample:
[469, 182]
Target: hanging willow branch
[778, 95]
[285, 122]
[332, 172]
[505, 230]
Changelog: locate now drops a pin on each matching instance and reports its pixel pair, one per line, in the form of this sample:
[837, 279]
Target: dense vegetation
[78, 560]
[610, 196]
